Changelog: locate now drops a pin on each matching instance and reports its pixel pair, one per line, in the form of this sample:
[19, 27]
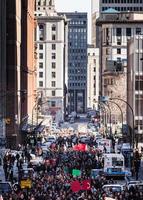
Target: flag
[76, 172]
[80, 147]
[86, 185]
[75, 186]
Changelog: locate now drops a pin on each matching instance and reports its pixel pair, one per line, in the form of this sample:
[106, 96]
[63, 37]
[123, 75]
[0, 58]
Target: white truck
[114, 165]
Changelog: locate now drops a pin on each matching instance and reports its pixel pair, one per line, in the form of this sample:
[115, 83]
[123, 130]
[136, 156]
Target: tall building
[92, 77]
[51, 41]
[20, 66]
[2, 69]
[135, 84]
[119, 5]
[28, 57]
[116, 29]
[13, 62]
[77, 61]
[100, 6]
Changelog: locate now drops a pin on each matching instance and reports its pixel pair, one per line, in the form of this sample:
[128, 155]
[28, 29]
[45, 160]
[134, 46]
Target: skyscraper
[20, 65]
[99, 6]
[77, 61]
[121, 5]
[51, 41]
[2, 67]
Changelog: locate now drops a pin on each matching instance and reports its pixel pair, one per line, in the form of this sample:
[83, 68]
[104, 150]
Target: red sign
[80, 147]
[76, 186]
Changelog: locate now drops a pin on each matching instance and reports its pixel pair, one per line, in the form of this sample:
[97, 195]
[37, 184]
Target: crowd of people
[52, 179]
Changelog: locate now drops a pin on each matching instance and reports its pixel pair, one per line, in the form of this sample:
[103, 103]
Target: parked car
[110, 188]
[138, 184]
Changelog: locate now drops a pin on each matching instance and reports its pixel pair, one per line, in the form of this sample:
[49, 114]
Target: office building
[122, 5]
[77, 61]
[2, 69]
[51, 41]
[116, 29]
[17, 66]
[135, 85]
[92, 77]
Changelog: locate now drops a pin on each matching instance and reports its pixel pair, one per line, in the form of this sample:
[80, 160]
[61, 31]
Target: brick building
[20, 65]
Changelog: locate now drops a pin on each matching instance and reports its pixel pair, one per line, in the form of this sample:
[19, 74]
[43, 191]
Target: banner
[76, 186]
[76, 172]
[80, 147]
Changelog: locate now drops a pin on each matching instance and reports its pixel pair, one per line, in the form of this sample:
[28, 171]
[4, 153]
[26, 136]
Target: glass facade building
[77, 61]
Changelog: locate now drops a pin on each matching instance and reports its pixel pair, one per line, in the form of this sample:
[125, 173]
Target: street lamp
[120, 111]
[107, 105]
[105, 116]
[133, 118]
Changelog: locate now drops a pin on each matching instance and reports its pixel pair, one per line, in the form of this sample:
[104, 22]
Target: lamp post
[133, 118]
[107, 105]
[120, 111]
[105, 117]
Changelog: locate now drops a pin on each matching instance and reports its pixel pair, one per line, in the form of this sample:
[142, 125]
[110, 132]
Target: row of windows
[77, 84]
[76, 30]
[53, 56]
[42, 37]
[78, 22]
[77, 78]
[75, 57]
[75, 71]
[124, 8]
[128, 31]
[78, 43]
[53, 46]
[53, 74]
[72, 50]
[42, 27]
[53, 65]
[77, 36]
[122, 1]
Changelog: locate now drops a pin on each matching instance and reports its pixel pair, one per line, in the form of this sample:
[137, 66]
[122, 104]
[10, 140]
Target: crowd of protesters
[52, 179]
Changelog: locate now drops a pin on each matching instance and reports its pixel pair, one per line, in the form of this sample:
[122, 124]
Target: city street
[71, 100]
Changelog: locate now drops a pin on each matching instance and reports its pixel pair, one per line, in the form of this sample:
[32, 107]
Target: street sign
[25, 184]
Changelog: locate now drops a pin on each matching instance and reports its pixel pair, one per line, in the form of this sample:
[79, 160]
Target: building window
[53, 46]
[118, 32]
[138, 31]
[53, 83]
[41, 46]
[40, 83]
[40, 55]
[118, 60]
[128, 32]
[40, 74]
[53, 103]
[118, 51]
[53, 65]
[53, 74]
[53, 56]
[41, 65]
[41, 27]
[94, 69]
[53, 27]
[53, 37]
[41, 32]
[53, 93]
